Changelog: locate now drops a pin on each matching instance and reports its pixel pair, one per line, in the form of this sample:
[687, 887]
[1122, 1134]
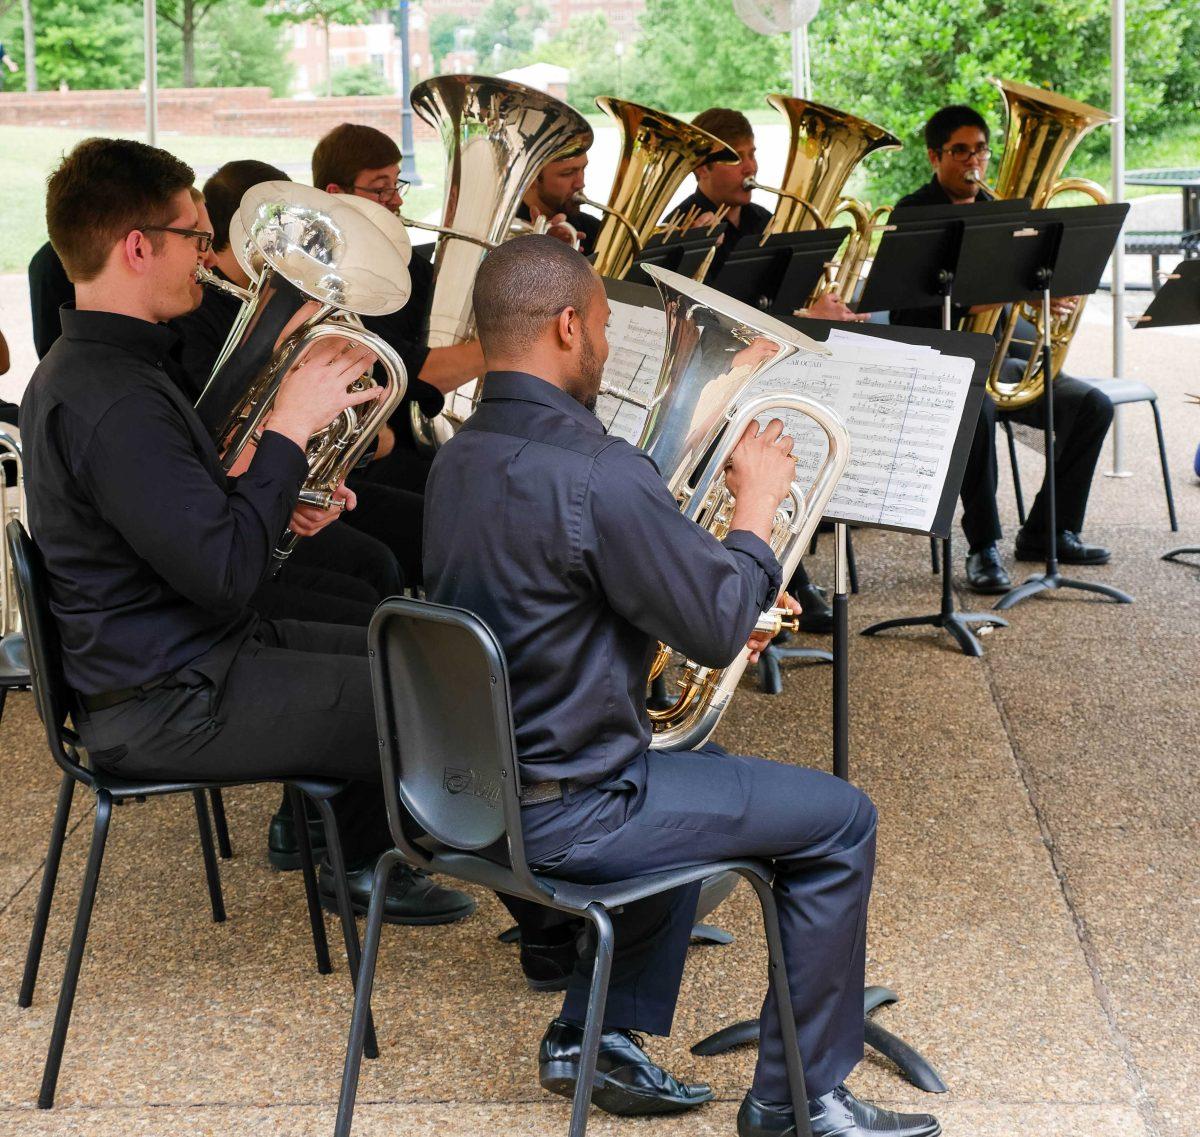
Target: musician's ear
[567, 327]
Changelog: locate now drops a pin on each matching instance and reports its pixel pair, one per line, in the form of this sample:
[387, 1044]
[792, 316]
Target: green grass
[28, 154]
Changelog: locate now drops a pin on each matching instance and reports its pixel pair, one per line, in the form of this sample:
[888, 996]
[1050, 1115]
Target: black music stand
[1064, 249]
[779, 274]
[1177, 303]
[916, 266]
[681, 253]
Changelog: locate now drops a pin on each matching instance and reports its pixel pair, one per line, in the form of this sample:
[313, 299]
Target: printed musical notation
[901, 403]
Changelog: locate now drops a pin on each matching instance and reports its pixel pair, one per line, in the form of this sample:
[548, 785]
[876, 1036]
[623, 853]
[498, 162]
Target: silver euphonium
[717, 350]
[498, 135]
[306, 245]
[12, 508]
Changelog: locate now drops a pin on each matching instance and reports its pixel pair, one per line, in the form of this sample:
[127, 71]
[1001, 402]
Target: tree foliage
[587, 47]
[84, 43]
[237, 45]
[443, 29]
[504, 33]
[361, 80]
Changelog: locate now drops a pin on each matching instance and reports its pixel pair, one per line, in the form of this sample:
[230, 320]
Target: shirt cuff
[744, 542]
[277, 456]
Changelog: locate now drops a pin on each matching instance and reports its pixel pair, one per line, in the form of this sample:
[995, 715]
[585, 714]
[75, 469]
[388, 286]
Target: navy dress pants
[668, 809]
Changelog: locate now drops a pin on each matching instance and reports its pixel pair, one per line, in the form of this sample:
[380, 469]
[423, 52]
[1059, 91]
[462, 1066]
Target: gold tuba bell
[1043, 130]
[306, 244]
[718, 349]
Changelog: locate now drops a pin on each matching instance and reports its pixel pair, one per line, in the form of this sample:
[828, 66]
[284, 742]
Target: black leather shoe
[985, 571]
[627, 1082]
[1071, 550]
[282, 850]
[835, 1114]
[412, 897]
[548, 967]
[817, 616]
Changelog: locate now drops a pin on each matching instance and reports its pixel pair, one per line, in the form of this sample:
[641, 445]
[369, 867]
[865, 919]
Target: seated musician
[956, 140]
[364, 161]
[152, 553]
[568, 544]
[552, 196]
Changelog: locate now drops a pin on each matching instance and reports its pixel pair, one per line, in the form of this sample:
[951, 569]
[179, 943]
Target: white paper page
[637, 339]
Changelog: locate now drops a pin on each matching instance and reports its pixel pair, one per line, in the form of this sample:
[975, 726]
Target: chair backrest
[50, 691]
[444, 719]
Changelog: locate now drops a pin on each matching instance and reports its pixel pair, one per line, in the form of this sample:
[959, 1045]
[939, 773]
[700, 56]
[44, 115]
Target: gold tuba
[329, 251]
[825, 149]
[1043, 130]
[717, 349]
[498, 135]
[657, 152]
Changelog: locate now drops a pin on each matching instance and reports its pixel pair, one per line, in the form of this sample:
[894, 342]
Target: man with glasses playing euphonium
[956, 139]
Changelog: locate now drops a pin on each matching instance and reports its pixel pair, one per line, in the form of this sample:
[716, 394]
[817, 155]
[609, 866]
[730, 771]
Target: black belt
[537, 793]
[106, 699]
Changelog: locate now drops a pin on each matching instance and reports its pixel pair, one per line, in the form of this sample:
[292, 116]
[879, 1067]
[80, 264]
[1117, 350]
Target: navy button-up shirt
[152, 553]
[568, 545]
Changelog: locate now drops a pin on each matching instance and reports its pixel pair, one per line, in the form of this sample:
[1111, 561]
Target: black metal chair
[53, 701]
[449, 766]
[1119, 392]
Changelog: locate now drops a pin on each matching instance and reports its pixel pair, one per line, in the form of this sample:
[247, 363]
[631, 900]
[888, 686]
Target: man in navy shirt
[152, 553]
[568, 544]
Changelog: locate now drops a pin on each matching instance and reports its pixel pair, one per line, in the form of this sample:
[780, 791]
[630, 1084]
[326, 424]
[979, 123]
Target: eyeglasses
[204, 238]
[961, 152]
[382, 193]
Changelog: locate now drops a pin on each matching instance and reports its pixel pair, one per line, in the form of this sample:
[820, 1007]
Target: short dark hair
[349, 149]
[223, 192]
[522, 285]
[730, 126]
[101, 190]
[945, 122]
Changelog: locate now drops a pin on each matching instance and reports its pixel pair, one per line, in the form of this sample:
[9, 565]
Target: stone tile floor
[1037, 902]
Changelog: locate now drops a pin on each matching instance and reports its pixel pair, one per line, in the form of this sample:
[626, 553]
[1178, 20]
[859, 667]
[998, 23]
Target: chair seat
[14, 661]
[573, 896]
[1125, 390]
[122, 788]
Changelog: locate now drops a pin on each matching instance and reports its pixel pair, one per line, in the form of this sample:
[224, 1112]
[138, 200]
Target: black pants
[294, 700]
[393, 517]
[342, 548]
[403, 469]
[1082, 415]
[671, 809]
[320, 595]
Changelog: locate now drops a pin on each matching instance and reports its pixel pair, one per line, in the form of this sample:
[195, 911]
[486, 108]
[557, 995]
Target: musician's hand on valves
[561, 229]
[759, 474]
[760, 641]
[308, 520]
[830, 306]
[316, 389]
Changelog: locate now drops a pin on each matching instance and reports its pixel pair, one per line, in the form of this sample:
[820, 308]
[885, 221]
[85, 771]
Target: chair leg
[41, 915]
[316, 921]
[359, 1022]
[211, 872]
[83, 918]
[1016, 473]
[333, 842]
[777, 966]
[1166, 473]
[224, 848]
[594, 1023]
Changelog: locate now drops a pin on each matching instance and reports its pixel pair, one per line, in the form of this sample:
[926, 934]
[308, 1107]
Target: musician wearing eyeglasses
[568, 544]
[553, 196]
[959, 149]
[152, 553]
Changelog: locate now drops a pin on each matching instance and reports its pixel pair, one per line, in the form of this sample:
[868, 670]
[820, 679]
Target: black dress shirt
[585, 224]
[567, 543]
[752, 221]
[931, 193]
[152, 552]
[49, 290]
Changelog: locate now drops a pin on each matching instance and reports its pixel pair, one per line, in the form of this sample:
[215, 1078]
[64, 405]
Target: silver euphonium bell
[718, 349]
[330, 249]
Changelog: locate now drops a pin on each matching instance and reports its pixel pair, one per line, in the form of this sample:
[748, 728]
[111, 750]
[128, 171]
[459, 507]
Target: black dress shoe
[627, 1082]
[835, 1114]
[548, 967]
[817, 616]
[282, 850]
[1071, 550]
[985, 571]
[412, 897]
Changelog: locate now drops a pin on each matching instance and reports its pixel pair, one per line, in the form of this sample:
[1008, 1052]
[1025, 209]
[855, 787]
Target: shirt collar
[520, 386]
[152, 342]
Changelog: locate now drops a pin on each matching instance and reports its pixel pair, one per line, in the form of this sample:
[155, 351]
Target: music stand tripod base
[1182, 551]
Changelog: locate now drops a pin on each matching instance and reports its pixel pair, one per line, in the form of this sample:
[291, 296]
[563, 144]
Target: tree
[187, 16]
[443, 31]
[237, 45]
[324, 13]
[696, 53]
[88, 43]
[587, 48]
[363, 80]
[504, 33]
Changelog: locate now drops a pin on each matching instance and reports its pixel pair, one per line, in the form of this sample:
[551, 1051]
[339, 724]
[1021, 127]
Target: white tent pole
[150, 14]
[798, 64]
[1118, 260]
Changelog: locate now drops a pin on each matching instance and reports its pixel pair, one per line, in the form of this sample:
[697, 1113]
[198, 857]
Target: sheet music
[902, 405]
